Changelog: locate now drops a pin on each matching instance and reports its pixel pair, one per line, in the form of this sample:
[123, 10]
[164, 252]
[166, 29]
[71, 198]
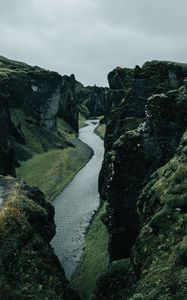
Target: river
[1, 195]
[76, 204]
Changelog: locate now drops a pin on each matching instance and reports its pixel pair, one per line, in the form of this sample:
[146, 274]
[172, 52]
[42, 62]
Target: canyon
[142, 182]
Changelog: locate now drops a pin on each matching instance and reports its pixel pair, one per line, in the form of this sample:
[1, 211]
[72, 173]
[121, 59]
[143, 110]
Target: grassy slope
[100, 130]
[51, 171]
[82, 121]
[94, 259]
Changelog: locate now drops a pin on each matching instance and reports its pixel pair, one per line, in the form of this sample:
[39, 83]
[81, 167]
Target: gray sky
[91, 37]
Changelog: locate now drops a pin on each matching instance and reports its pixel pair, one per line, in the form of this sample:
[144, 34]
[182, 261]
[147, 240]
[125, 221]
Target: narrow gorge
[83, 221]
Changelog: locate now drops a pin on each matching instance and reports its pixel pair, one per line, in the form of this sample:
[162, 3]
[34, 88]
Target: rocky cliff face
[29, 268]
[31, 102]
[141, 135]
[93, 98]
[33, 90]
[32, 99]
[68, 109]
[7, 161]
[145, 208]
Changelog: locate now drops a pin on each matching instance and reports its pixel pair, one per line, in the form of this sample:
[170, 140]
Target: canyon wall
[142, 179]
[32, 100]
[91, 99]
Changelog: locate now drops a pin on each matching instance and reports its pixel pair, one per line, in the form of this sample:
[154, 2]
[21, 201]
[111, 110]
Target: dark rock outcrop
[93, 98]
[7, 159]
[32, 99]
[68, 109]
[32, 90]
[29, 267]
[142, 134]
[143, 180]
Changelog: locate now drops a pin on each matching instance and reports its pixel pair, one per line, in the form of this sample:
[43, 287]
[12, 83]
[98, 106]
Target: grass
[52, 164]
[100, 130]
[52, 171]
[82, 121]
[29, 269]
[95, 257]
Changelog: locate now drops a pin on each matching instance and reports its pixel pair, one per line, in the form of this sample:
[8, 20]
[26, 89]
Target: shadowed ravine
[76, 204]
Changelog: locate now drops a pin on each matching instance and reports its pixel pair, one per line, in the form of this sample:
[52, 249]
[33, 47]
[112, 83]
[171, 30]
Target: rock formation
[144, 154]
[32, 99]
[29, 268]
[91, 99]
[68, 109]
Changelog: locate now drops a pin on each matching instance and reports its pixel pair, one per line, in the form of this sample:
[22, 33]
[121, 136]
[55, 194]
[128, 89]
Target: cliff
[32, 100]
[38, 128]
[68, 107]
[7, 162]
[142, 179]
[91, 99]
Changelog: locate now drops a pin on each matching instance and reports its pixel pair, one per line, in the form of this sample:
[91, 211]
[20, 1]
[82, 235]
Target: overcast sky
[91, 37]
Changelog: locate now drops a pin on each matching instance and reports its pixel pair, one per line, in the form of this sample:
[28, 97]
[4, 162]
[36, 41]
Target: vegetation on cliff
[143, 180]
[29, 268]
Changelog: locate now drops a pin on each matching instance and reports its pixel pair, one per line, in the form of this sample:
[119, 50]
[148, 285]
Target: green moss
[170, 187]
[95, 258]
[29, 268]
[182, 252]
[160, 252]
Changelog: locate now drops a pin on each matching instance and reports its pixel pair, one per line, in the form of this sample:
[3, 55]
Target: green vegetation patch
[52, 171]
[29, 268]
[82, 121]
[95, 257]
[100, 130]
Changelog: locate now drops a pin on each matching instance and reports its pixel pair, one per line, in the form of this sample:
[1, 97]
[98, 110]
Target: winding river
[76, 204]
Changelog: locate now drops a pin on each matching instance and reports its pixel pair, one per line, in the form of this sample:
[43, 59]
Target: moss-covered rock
[143, 178]
[142, 133]
[29, 267]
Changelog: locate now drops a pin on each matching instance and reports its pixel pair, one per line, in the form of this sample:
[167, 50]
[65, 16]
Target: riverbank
[76, 205]
[94, 259]
[51, 171]
[100, 130]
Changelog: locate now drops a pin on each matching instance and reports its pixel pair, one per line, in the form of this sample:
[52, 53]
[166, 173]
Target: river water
[1, 195]
[76, 204]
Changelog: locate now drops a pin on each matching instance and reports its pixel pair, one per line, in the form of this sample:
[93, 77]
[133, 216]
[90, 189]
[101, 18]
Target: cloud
[91, 37]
